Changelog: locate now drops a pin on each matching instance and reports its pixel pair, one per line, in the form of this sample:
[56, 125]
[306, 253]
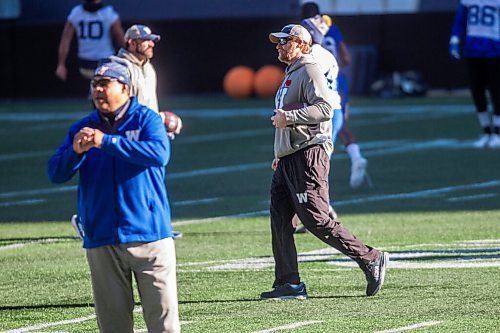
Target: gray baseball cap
[138, 31]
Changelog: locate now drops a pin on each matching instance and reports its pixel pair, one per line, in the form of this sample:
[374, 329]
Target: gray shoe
[375, 273]
[286, 291]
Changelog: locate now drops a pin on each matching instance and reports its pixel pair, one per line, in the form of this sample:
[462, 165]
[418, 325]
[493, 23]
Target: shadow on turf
[31, 239]
[46, 306]
[214, 301]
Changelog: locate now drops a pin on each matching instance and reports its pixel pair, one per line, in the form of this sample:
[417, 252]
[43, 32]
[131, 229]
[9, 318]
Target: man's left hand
[279, 118]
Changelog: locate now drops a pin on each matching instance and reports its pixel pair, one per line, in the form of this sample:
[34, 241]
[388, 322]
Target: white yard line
[411, 327]
[28, 329]
[419, 194]
[290, 326]
[45, 325]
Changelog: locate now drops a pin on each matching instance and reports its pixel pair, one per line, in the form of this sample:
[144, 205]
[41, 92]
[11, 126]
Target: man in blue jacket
[120, 151]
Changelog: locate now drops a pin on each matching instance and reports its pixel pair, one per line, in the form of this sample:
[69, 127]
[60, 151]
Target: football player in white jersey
[317, 27]
[334, 42]
[96, 26]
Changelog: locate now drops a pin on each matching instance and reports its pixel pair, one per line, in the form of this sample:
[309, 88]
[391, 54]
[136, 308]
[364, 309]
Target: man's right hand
[274, 164]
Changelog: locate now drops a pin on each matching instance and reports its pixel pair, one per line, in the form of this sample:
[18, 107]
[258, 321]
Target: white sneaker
[358, 172]
[482, 142]
[494, 141]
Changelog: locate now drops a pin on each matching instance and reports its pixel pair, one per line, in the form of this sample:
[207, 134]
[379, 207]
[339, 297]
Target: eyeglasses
[284, 40]
[101, 82]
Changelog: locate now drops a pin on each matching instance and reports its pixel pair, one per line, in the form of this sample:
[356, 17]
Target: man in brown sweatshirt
[302, 149]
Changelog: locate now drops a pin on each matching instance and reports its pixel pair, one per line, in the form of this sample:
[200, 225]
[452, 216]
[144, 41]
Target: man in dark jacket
[120, 151]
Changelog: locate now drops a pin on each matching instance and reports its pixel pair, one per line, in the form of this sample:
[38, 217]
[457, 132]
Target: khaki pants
[153, 265]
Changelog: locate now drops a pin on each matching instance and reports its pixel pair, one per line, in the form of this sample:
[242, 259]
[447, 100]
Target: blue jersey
[332, 40]
[480, 21]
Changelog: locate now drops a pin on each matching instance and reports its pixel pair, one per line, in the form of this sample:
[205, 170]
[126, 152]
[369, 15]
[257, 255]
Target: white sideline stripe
[472, 197]
[194, 202]
[56, 323]
[29, 154]
[411, 327]
[52, 190]
[18, 245]
[290, 326]
[22, 202]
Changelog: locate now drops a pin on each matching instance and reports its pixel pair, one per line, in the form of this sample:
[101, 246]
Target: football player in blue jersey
[333, 41]
[479, 22]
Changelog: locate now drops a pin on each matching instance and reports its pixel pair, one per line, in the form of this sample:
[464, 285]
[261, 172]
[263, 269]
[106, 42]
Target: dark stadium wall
[194, 55]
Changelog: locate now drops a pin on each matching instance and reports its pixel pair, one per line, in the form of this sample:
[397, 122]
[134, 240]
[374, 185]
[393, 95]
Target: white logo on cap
[147, 30]
[102, 70]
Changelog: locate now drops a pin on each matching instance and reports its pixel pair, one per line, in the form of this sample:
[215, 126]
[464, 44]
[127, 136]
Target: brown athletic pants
[300, 186]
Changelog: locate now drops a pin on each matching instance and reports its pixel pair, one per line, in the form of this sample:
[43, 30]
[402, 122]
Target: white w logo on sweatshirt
[302, 197]
[133, 134]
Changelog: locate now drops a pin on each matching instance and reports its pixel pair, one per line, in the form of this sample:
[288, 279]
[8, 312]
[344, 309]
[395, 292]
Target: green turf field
[434, 205]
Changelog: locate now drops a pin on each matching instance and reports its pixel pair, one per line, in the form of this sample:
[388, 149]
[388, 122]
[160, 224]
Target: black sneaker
[375, 273]
[286, 291]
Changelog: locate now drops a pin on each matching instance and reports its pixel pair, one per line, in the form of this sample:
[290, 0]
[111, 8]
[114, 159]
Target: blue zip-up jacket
[481, 19]
[121, 192]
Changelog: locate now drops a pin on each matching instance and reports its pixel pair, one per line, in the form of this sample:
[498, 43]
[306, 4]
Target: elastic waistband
[302, 150]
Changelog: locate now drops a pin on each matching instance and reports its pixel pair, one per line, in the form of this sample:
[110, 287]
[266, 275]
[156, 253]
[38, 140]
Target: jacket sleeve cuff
[109, 140]
[290, 118]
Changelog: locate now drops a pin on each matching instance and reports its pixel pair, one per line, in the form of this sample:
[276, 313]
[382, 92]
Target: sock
[354, 152]
[484, 121]
[496, 124]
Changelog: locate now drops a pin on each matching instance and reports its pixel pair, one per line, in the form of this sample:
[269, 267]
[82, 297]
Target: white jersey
[93, 31]
[330, 69]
